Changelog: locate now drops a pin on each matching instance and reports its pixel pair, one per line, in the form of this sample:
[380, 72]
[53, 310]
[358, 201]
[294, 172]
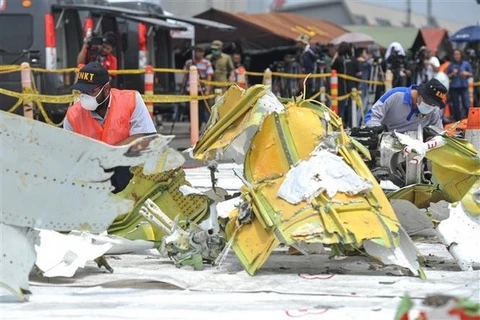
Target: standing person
[343, 63]
[205, 72]
[222, 64]
[240, 72]
[459, 70]
[404, 108]
[364, 67]
[101, 52]
[116, 117]
[422, 70]
[308, 59]
[395, 62]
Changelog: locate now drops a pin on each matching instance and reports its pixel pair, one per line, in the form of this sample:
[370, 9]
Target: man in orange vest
[114, 116]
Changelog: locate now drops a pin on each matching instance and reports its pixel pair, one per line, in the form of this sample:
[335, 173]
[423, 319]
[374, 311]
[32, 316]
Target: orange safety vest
[240, 78]
[117, 124]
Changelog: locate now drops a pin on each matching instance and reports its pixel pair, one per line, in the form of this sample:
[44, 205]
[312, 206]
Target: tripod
[376, 74]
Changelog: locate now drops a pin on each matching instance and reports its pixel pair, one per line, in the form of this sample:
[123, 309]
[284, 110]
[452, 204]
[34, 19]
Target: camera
[93, 45]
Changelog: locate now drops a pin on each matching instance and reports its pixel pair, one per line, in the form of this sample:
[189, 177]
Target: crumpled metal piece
[345, 218]
[60, 255]
[456, 169]
[55, 179]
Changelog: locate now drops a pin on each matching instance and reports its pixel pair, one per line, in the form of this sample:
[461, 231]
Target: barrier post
[26, 77]
[193, 83]
[353, 97]
[149, 75]
[388, 80]
[472, 132]
[323, 97]
[267, 77]
[334, 91]
[471, 92]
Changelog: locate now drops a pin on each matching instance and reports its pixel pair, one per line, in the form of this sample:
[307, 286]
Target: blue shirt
[395, 110]
[459, 81]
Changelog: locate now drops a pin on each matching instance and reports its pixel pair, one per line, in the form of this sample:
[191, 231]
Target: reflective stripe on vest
[117, 124]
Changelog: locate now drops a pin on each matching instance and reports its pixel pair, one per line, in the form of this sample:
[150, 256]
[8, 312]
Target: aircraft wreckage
[306, 186]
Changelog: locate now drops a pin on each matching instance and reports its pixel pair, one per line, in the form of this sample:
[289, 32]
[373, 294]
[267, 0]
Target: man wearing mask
[222, 63]
[116, 117]
[404, 108]
[240, 71]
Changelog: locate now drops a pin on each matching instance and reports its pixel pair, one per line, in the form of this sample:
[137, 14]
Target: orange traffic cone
[472, 132]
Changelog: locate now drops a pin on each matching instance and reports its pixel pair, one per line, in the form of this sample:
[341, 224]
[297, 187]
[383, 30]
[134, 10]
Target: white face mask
[425, 108]
[90, 103]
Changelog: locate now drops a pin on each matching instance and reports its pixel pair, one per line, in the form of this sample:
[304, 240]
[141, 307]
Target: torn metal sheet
[163, 189]
[55, 179]
[62, 175]
[60, 255]
[324, 171]
[460, 232]
[229, 130]
[414, 220]
[344, 218]
[17, 257]
[403, 255]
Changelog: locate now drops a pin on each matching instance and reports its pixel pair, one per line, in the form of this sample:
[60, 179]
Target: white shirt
[443, 78]
[140, 123]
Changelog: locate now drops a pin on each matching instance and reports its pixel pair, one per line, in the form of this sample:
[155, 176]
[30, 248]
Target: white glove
[419, 147]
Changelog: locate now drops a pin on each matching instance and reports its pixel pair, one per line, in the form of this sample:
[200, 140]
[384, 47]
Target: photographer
[96, 49]
[395, 62]
[422, 71]
[344, 63]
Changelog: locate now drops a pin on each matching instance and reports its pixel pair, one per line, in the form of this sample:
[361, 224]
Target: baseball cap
[91, 76]
[217, 44]
[433, 92]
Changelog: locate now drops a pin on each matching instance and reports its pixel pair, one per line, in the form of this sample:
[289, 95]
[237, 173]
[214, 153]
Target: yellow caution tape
[170, 70]
[66, 70]
[4, 71]
[301, 76]
[347, 77]
[476, 84]
[166, 98]
[15, 106]
[254, 74]
[46, 117]
[32, 96]
[216, 83]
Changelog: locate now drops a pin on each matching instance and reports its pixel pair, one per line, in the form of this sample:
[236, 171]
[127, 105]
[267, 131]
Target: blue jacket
[458, 81]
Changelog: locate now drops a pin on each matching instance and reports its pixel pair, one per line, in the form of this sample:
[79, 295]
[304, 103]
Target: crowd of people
[409, 70]
[370, 63]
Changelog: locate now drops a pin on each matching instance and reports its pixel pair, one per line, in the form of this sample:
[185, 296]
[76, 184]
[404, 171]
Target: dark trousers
[345, 112]
[460, 102]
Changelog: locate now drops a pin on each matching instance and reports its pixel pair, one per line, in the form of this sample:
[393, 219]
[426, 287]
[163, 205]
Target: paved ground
[181, 130]
[146, 286]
